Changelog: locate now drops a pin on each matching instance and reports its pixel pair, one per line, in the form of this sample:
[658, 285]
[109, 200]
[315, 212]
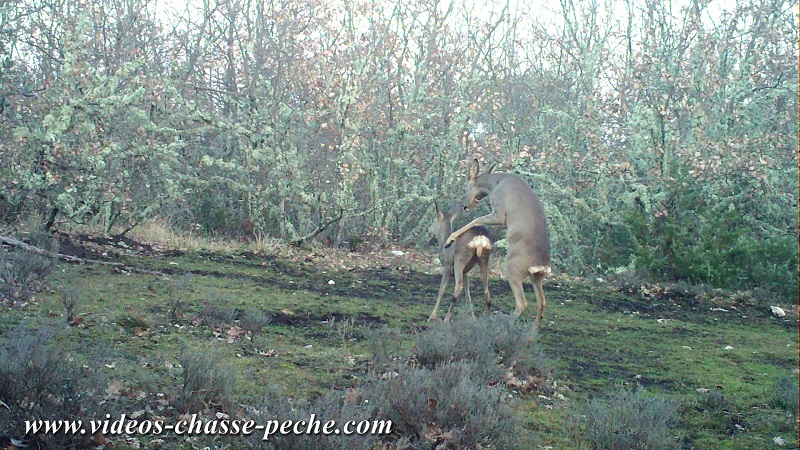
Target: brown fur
[472, 248]
[517, 207]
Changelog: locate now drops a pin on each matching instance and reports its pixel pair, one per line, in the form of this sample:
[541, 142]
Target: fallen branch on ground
[69, 258]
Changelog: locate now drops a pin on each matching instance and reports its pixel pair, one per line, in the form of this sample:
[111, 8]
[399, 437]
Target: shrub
[712, 399]
[710, 237]
[629, 418]
[448, 406]
[341, 406]
[385, 345]
[69, 298]
[255, 321]
[496, 342]
[21, 273]
[206, 381]
[37, 382]
[785, 394]
[177, 296]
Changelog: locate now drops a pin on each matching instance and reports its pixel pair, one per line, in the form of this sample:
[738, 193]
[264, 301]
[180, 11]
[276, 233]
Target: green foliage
[708, 238]
[637, 157]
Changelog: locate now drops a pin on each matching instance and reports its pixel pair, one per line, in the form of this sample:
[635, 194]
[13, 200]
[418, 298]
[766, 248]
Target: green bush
[449, 406]
[627, 419]
[710, 238]
[22, 273]
[785, 394]
[206, 381]
[38, 382]
[496, 342]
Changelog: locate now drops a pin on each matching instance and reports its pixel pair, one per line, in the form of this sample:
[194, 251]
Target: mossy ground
[134, 326]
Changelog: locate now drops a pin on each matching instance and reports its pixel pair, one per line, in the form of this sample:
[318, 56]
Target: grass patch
[289, 342]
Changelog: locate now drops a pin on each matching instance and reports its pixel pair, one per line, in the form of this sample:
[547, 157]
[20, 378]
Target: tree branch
[68, 258]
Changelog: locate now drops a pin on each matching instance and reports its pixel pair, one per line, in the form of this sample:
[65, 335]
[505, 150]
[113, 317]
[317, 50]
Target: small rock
[778, 440]
[728, 347]
[331, 282]
[777, 311]
[397, 253]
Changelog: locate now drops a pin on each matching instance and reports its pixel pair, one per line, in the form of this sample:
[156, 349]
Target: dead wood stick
[69, 258]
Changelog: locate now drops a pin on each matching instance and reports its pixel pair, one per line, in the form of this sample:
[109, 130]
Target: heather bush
[38, 382]
[22, 273]
[628, 418]
[496, 343]
[207, 381]
[448, 406]
[785, 394]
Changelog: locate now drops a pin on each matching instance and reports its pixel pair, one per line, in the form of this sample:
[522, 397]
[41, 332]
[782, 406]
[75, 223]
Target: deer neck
[487, 183]
[444, 232]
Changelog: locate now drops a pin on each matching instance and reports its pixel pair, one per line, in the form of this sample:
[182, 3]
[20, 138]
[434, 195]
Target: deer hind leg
[540, 302]
[459, 274]
[519, 295]
[466, 293]
[483, 264]
[442, 288]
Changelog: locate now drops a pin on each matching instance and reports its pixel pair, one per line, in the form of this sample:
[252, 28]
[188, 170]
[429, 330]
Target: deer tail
[544, 270]
[479, 244]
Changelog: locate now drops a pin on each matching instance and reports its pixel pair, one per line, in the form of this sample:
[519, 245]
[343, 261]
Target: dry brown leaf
[99, 439]
[432, 404]
[114, 389]
[351, 395]
[433, 433]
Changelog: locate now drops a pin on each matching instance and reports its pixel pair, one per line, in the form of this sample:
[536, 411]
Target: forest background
[661, 136]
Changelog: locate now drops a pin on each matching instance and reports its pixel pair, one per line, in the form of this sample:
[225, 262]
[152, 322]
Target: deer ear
[440, 216]
[473, 170]
[491, 168]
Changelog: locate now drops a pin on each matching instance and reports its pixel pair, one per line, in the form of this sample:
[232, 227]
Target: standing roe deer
[472, 247]
[515, 205]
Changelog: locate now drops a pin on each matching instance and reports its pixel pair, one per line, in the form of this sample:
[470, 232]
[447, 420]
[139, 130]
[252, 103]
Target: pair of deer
[515, 206]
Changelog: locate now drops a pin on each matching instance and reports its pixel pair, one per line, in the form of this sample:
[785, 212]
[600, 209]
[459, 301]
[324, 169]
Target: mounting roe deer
[472, 247]
[515, 205]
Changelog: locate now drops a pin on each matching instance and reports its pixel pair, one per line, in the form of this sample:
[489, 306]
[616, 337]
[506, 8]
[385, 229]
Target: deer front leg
[489, 219]
[442, 288]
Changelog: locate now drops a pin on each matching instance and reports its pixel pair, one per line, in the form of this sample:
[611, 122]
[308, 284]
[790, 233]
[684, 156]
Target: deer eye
[480, 197]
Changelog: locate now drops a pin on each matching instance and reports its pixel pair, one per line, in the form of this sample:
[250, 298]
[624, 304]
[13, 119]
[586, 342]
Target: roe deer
[515, 205]
[472, 247]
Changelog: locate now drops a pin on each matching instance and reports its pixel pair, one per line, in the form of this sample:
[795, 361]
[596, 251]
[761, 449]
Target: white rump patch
[479, 244]
[533, 270]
